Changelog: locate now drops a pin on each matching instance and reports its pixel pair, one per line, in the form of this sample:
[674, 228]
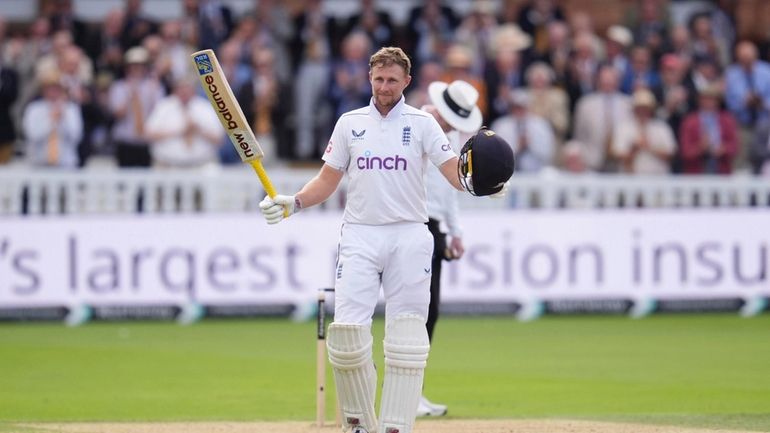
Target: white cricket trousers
[395, 256]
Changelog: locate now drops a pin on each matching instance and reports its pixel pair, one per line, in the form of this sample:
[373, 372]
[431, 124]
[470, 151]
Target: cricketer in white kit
[384, 242]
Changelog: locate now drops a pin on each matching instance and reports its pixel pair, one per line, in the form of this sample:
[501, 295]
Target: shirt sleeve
[337, 153]
[621, 139]
[667, 140]
[36, 122]
[542, 134]
[157, 121]
[436, 143]
[208, 118]
[460, 138]
[72, 123]
[118, 97]
[452, 220]
[734, 91]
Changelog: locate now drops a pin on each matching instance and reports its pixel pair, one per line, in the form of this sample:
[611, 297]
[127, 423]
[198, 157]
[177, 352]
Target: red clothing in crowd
[694, 156]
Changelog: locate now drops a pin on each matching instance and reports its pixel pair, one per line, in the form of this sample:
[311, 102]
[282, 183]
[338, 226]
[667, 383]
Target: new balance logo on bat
[220, 103]
[243, 144]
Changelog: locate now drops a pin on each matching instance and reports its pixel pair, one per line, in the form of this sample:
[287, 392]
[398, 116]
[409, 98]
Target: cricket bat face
[229, 112]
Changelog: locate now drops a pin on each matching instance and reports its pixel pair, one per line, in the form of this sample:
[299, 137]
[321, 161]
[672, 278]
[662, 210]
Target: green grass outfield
[699, 370]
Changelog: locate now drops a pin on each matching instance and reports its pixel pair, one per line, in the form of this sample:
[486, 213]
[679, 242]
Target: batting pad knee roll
[406, 355]
[350, 354]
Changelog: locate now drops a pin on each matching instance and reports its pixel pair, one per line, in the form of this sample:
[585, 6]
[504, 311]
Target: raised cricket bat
[230, 115]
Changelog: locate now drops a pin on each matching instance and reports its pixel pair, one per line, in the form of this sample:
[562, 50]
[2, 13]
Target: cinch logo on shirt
[368, 162]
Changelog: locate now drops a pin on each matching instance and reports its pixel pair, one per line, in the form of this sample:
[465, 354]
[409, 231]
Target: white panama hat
[621, 35]
[456, 102]
[137, 54]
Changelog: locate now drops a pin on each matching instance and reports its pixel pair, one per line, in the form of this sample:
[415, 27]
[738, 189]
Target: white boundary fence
[23, 191]
[72, 247]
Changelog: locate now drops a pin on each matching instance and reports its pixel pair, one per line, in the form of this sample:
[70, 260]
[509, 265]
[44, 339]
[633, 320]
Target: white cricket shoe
[427, 408]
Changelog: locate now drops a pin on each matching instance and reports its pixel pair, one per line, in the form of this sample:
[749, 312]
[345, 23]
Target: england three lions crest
[406, 135]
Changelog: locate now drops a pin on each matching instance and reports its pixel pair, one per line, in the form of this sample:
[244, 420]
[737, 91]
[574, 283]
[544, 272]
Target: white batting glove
[501, 193]
[274, 209]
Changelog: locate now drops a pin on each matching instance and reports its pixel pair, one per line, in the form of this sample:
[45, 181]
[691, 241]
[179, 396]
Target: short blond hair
[387, 56]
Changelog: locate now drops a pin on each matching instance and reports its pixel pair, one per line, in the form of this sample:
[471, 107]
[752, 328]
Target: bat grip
[256, 164]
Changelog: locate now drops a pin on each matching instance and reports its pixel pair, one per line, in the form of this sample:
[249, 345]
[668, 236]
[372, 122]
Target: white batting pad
[350, 354]
[406, 354]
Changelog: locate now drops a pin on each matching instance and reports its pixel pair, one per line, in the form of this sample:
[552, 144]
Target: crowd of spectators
[646, 95]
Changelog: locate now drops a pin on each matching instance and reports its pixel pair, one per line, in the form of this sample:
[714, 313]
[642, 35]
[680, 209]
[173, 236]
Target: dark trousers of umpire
[130, 155]
[439, 245]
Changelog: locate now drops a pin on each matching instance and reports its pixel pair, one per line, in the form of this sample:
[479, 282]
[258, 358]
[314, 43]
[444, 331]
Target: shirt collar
[394, 112]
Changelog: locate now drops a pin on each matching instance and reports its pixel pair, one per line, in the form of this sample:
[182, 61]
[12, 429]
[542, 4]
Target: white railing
[25, 191]
[553, 190]
[104, 191]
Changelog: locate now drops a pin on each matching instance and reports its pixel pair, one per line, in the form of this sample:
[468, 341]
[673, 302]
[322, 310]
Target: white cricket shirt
[442, 199]
[385, 159]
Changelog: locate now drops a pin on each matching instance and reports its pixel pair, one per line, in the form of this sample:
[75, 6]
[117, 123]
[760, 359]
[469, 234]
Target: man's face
[708, 102]
[53, 92]
[388, 84]
[746, 54]
[670, 74]
[135, 70]
[640, 59]
[608, 80]
[184, 91]
[643, 113]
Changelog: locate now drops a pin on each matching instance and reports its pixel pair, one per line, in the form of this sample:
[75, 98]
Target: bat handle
[256, 164]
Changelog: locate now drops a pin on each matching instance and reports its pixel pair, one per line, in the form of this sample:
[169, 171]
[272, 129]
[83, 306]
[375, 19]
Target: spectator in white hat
[644, 144]
[131, 100]
[504, 72]
[547, 100]
[618, 41]
[52, 125]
